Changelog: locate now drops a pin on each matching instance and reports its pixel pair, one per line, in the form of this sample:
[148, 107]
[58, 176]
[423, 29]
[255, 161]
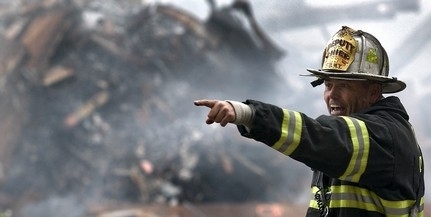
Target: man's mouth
[336, 110]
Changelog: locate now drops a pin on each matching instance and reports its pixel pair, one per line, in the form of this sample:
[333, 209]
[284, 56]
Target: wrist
[243, 113]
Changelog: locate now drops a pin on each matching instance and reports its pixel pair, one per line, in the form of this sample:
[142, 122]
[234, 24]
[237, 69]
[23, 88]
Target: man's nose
[334, 93]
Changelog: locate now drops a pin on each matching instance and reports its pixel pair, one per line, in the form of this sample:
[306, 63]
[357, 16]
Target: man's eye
[344, 85]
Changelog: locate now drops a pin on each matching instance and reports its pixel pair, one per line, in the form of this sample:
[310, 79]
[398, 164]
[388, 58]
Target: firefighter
[364, 154]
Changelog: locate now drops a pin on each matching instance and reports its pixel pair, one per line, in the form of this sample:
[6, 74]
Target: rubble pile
[97, 108]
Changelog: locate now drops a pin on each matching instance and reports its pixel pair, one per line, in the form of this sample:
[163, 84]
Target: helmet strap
[317, 82]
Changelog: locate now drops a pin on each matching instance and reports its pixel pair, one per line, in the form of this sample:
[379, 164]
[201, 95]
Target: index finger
[205, 102]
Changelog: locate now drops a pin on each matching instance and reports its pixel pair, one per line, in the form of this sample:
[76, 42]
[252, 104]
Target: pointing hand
[221, 111]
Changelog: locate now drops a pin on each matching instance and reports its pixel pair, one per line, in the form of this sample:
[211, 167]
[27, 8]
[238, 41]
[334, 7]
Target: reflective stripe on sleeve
[361, 147]
[291, 130]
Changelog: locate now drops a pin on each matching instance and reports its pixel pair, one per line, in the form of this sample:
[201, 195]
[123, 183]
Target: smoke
[148, 143]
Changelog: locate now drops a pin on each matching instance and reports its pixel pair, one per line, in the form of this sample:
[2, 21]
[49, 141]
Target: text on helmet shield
[340, 51]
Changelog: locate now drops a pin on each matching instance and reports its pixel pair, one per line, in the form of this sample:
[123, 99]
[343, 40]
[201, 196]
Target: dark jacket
[365, 164]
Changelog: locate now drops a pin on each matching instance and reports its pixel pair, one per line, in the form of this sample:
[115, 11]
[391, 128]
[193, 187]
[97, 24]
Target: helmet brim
[389, 84]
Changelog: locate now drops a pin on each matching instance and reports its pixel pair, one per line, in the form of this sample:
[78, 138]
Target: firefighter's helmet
[356, 55]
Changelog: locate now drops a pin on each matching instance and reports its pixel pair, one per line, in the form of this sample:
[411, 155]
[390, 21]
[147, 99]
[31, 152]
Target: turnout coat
[365, 164]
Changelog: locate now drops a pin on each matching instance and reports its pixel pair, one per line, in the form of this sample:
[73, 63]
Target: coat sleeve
[338, 146]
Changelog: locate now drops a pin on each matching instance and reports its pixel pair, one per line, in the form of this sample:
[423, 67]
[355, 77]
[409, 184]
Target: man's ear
[375, 92]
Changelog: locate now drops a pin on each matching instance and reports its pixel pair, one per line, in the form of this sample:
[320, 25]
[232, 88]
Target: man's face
[344, 97]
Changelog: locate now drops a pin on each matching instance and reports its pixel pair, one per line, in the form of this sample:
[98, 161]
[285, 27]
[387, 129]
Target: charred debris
[98, 107]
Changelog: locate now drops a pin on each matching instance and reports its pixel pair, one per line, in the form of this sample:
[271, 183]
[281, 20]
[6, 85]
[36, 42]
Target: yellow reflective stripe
[291, 129]
[313, 202]
[421, 207]
[346, 196]
[361, 198]
[283, 135]
[361, 147]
